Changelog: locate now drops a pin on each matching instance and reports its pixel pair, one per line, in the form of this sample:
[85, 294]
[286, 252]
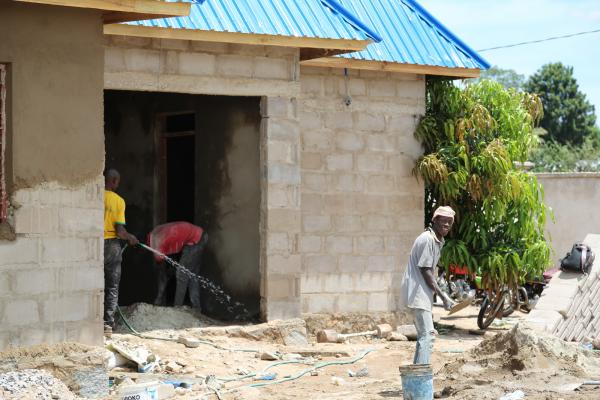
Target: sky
[489, 23]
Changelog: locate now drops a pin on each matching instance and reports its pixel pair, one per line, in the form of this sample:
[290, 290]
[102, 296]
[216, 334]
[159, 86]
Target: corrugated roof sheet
[298, 18]
[411, 36]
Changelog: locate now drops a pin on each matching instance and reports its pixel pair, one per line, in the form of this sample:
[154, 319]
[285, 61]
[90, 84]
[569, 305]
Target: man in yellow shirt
[114, 231]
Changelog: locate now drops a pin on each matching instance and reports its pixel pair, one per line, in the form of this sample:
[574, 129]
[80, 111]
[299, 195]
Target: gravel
[33, 384]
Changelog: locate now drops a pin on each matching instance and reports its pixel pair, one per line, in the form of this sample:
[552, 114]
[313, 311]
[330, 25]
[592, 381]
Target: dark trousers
[112, 277]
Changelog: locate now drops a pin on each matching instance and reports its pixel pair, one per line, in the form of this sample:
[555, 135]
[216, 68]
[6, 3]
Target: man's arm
[123, 234]
[431, 282]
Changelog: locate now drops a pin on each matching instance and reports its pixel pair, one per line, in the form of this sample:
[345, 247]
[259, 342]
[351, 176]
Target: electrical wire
[540, 40]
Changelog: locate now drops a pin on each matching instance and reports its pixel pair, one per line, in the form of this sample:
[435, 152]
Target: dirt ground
[501, 365]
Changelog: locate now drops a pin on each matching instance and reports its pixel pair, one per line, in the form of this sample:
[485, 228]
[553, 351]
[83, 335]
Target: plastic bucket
[417, 382]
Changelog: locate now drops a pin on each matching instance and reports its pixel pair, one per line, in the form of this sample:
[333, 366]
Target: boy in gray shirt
[419, 284]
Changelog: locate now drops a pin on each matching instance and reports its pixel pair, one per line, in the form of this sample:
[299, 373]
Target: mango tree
[474, 140]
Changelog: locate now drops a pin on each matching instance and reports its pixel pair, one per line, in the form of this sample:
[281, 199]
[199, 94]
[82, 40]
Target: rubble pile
[33, 384]
[147, 317]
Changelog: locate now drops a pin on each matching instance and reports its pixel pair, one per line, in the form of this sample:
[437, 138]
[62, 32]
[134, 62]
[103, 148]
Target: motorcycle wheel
[507, 309]
[488, 312]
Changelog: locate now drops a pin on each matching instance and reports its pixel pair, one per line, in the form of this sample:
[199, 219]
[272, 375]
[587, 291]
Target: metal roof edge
[449, 33]
[352, 19]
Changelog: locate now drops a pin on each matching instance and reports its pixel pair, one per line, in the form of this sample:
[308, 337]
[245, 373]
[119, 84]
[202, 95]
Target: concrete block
[382, 143]
[370, 162]
[171, 44]
[312, 284]
[36, 281]
[382, 88]
[283, 173]
[377, 223]
[272, 68]
[411, 89]
[320, 264]
[273, 309]
[369, 122]
[285, 196]
[312, 203]
[317, 182]
[278, 243]
[281, 287]
[288, 264]
[356, 87]
[379, 302]
[349, 141]
[339, 283]
[312, 85]
[67, 308]
[403, 124]
[380, 184]
[311, 161]
[354, 302]
[381, 263]
[130, 41]
[230, 65]
[319, 303]
[375, 281]
[317, 140]
[275, 107]
[310, 244]
[310, 120]
[197, 64]
[284, 152]
[316, 223]
[5, 284]
[283, 220]
[339, 162]
[338, 244]
[369, 245]
[169, 62]
[401, 165]
[209, 47]
[350, 183]
[83, 277]
[347, 223]
[338, 204]
[21, 251]
[338, 120]
[90, 333]
[402, 203]
[369, 74]
[46, 334]
[284, 129]
[20, 312]
[67, 249]
[36, 220]
[86, 221]
[140, 60]
[114, 59]
[369, 203]
[352, 263]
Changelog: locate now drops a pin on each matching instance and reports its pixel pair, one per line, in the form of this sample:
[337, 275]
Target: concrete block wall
[52, 275]
[361, 207]
[237, 70]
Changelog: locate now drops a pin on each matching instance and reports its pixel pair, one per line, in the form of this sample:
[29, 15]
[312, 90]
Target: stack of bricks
[361, 207]
[52, 275]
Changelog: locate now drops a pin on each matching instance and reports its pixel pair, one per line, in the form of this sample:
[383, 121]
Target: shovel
[463, 304]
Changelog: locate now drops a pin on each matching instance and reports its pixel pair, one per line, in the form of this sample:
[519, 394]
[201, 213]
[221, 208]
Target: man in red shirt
[189, 241]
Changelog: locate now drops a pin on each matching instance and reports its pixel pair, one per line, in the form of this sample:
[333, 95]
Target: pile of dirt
[33, 384]
[145, 317]
[352, 322]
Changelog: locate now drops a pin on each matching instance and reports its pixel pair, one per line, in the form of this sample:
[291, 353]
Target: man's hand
[448, 302]
[132, 240]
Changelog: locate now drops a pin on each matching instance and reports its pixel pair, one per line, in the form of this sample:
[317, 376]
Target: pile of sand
[145, 317]
[33, 384]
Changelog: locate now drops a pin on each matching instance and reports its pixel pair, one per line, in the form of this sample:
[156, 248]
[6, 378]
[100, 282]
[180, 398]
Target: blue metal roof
[297, 18]
[410, 36]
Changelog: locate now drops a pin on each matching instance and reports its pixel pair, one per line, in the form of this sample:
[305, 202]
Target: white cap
[444, 211]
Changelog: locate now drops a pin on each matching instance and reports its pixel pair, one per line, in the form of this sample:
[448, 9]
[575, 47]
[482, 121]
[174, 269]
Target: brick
[312, 284]
[81, 221]
[36, 220]
[338, 244]
[20, 251]
[272, 68]
[349, 142]
[67, 249]
[380, 184]
[381, 263]
[381, 143]
[382, 88]
[278, 242]
[234, 65]
[32, 282]
[311, 161]
[316, 223]
[20, 312]
[283, 220]
[197, 64]
[338, 283]
[338, 120]
[370, 162]
[350, 183]
[379, 302]
[67, 308]
[320, 264]
[82, 278]
[138, 60]
[312, 203]
[282, 173]
[347, 223]
[369, 245]
[339, 162]
[310, 244]
[369, 122]
[352, 263]
[319, 303]
[317, 140]
[355, 302]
